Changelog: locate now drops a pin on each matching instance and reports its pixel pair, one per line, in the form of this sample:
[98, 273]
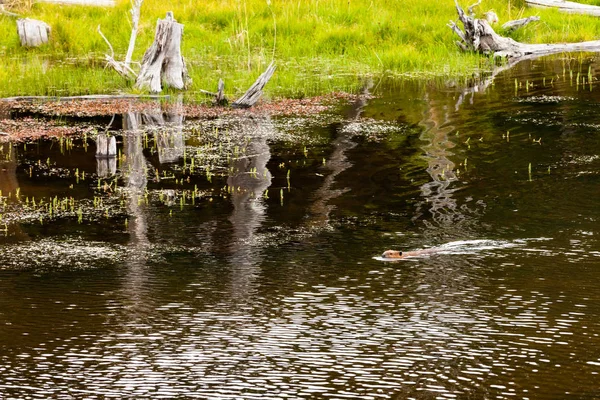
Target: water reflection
[9, 186]
[168, 131]
[337, 162]
[438, 193]
[8, 168]
[248, 180]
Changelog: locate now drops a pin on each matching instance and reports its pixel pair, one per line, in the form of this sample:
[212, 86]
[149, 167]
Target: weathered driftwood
[478, 36]
[163, 60]
[32, 33]
[566, 6]
[519, 23]
[253, 94]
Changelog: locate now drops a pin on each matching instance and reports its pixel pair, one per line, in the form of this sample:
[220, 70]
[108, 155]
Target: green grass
[320, 45]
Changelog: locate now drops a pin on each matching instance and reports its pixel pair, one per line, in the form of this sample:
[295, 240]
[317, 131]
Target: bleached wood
[519, 23]
[106, 146]
[136, 6]
[566, 6]
[253, 94]
[32, 32]
[478, 36]
[163, 61]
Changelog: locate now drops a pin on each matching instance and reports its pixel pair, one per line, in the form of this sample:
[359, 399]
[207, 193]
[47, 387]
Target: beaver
[396, 254]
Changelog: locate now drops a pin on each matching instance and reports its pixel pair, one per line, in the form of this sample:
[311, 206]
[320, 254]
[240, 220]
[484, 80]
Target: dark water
[181, 279]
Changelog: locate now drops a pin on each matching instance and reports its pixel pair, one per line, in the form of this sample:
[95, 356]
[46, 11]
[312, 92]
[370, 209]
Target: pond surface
[233, 258]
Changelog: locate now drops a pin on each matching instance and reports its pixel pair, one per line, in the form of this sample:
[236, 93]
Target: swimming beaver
[405, 254]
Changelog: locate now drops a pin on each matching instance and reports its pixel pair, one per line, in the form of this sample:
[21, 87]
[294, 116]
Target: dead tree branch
[121, 67]
[519, 23]
[136, 6]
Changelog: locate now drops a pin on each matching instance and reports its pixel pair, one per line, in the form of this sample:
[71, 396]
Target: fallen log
[253, 94]
[32, 33]
[566, 6]
[478, 36]
[163, 60]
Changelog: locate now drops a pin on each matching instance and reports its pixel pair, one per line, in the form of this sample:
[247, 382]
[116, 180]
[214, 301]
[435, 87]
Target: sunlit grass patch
[318, 45]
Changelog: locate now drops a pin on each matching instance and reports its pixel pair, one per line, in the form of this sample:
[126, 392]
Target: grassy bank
[320, 45]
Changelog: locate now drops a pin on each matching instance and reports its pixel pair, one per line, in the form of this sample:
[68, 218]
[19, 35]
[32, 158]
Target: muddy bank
[36, 124]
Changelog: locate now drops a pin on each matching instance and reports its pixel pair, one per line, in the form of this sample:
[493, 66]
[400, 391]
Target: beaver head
[392, 254]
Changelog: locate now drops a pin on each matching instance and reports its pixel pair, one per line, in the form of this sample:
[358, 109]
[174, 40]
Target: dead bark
[566, 6]
[478, 36]
[253, 94]
[163, 60]
[32, 33]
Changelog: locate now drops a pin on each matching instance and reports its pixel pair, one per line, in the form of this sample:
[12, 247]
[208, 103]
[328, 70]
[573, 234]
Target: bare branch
[471, 7]
[519, 23]
[136, 5]
[112, 52]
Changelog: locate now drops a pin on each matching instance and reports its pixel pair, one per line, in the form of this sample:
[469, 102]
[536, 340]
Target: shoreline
[38, 116]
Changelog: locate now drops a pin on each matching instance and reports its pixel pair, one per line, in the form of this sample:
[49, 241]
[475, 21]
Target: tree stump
[33, 33]
[106, 146]
[163, 60]
[106, 155]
